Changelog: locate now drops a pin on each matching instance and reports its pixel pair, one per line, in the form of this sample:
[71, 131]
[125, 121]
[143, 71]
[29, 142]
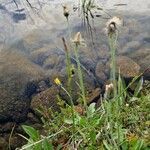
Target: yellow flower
[57, 81]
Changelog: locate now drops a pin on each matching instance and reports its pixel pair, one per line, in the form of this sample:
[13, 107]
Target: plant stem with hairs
[68, 64]
[72, 109]
[112, 44]
[80, 76]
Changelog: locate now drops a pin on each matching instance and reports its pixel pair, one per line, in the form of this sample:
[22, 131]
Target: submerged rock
[54, 61]
[3, 144]
[89, 84]
[128, 68]
[142, 57]
[101, 71]
[18, 81]
[130, 46]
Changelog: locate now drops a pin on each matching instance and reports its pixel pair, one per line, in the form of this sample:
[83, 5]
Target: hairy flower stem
[69, 30]
[112, 44]
[68, 64]
[72, 108]
[80, 76]
[68, 71]
[68, 57]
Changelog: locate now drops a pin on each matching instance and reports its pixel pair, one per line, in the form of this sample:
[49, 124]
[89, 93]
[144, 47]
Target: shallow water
[19, 20]
[31, 46]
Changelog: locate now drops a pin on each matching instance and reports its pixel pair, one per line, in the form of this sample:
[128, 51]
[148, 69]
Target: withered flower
[66, 11]
[113, 25]
[78, 40]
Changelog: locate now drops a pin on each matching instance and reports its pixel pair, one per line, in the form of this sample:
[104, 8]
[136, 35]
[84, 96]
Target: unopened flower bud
[66, 11]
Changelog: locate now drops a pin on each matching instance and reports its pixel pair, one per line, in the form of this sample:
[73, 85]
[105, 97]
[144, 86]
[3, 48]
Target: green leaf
[83, 122]
[125, 146]
[138, 87]
[33, 134]
[93, 136]
[47, 145]
[107, 145]
[91, 109]
[121, 85]
[138, 145]
[59, 147]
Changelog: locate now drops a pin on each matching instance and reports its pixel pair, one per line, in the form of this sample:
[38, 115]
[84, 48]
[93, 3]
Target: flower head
[57, 81]
[66, 11]
[78, 40]
[113, 24]
[109, 87]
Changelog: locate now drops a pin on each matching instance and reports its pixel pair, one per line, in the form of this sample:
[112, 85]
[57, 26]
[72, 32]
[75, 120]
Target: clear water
[34, 33]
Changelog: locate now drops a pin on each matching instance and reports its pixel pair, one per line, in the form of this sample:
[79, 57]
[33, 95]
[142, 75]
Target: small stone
[101, 71]
[94, 96]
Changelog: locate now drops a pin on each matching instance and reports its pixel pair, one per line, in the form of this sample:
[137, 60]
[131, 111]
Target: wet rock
[45, 100]
[103, 51]
[36, 39]
[142, 57]
[101, 72]
[48, 54]
[130, 46]
[3, 144]
[54, 61]
[89, 84]
[6, 127]
[87, 53]
[18, 81]
[87, 63]
[94, 96]
[128, 68]
[38, 56]
[43, 85]
[16, 141]
[32, 118]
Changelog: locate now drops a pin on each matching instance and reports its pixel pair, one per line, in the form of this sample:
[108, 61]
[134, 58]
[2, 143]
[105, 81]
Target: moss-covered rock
[142, 57]
[45, 100]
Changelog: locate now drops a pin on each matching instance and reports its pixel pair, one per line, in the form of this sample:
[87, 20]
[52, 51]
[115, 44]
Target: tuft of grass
[103, 128]
[119, 123]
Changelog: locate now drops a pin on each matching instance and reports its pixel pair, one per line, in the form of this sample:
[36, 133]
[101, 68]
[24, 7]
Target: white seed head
[78, 39]
[113, 24]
